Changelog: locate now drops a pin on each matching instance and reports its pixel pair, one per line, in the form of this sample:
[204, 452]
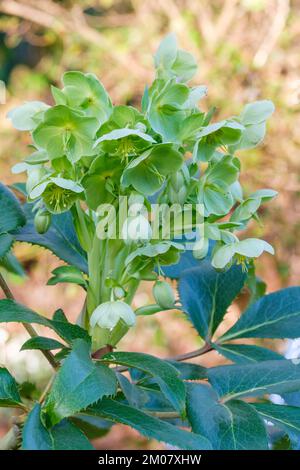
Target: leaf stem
[30, 330]
[163, 414]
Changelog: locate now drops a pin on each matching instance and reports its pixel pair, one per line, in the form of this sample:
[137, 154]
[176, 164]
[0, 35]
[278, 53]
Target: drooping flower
[242, 251]
[108, 314]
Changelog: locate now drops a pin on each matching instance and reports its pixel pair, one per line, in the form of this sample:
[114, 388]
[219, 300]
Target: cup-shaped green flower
[86, 92]
[147, 172]
[59, 194]
[108, 314]
[65, 131]
[242, 251]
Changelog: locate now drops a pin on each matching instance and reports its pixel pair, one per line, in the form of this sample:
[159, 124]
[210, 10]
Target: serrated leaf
[63, 436]
[92, 426]
[67, 436]
[165, 375]
[252, 380]
[285, 417]
[72, 392]
[11, 311]
[42, 343]
[11, 213]
[69, 274]
[9, 394]
[275, 315]
[149, 426]
[6, 241]
[206, 294]
[35, 435]
[61, 238]
[246, 353]
[231, 426]
[12, 265]
[190, 371]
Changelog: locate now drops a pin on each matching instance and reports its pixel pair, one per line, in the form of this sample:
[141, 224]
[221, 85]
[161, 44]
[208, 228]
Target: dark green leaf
[12, 265]
[9, 394]
[63, 436]
[11, 311]
[231, 426]
[11, 214]
[256, 379]
[285, 417]
[39, 342]
[79, 383]
[206, 294]
[246, 353]
[35, 435]
[67, 436]
[92, 426]
[275, 315]
[190, 371]
[61, 238]
[6, 241]
[148, 426]
[67, 274]
[165, 375]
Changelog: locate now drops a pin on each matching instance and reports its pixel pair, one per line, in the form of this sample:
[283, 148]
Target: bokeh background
[246, 50]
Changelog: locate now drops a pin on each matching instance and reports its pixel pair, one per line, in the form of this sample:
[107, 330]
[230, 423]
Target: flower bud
[136, 229]
[164, 294]
[108, 314]
[119, 292]
[42, 221]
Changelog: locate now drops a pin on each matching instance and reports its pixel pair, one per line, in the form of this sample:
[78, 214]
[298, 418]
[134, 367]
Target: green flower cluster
[88, 152]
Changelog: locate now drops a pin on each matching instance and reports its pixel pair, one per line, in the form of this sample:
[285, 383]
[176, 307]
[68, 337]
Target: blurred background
[246, 50]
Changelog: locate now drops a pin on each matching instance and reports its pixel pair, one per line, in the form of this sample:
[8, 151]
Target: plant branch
[163, 414]
[30, 330]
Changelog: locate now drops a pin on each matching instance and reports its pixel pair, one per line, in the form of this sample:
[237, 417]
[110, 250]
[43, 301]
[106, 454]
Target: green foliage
[233, 425]
[11, 217]
[149, 426]
[165, 375]
[63, 436]
[9, 394]
[11, 311]
[72, 392]
[206, 294]
[251, 380]
[67, 274]
[42, 343]
[273, 316]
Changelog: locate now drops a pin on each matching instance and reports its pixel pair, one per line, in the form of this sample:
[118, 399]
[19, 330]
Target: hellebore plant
[95, 175]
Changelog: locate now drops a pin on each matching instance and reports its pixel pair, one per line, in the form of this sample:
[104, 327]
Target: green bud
[163, 294]
[42, 221]
[119, 292]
